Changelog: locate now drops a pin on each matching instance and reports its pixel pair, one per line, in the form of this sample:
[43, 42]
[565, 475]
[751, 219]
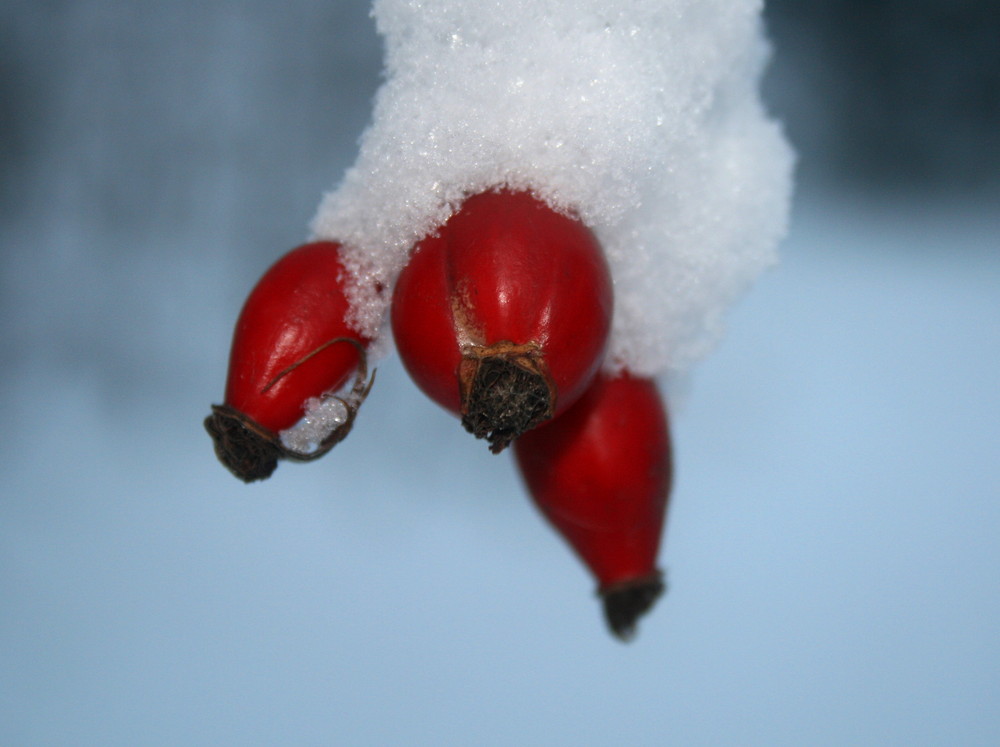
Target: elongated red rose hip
[601, 475]
[503, 315]
[291, 343]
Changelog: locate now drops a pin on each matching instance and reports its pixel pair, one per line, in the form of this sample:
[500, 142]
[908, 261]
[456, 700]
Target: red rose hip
[601, 475]
[291, 343]
[503, 315]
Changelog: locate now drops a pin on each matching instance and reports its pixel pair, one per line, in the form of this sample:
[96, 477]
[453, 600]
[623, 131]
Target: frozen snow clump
[641, 116]
[322, 416]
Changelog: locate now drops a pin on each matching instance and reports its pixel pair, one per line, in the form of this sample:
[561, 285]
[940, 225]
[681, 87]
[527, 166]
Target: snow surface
[640, 116]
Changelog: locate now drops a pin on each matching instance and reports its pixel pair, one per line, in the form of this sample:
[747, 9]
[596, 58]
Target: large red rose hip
[503, 315]
[601, 476]
[291, 342]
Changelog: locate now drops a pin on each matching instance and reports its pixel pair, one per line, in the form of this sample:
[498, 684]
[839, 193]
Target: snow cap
[642, 117]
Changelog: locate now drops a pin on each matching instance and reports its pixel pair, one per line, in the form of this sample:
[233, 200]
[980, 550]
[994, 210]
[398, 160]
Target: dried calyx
[247, 449]
[506, 390]
[626, 602]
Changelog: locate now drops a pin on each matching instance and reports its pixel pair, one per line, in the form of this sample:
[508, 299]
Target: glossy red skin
[601, 475]
[504, 267]
[297, 305]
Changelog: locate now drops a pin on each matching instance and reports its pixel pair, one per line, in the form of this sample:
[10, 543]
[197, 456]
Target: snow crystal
[641, 116]
[322, 416]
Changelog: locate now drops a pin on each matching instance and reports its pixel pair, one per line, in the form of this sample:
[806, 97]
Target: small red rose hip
[503, 315]
[601, 475]
[291, 343]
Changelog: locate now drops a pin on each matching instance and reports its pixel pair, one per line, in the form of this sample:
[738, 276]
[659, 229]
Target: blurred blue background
[832, 546]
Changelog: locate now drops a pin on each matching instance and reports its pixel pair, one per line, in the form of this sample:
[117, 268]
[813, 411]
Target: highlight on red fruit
[291, 342]
[503, 315]
[601, 475]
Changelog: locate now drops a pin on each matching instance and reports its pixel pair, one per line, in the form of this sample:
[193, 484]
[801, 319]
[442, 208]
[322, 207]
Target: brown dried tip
[249, 450]
[506, 390]
[626, 602]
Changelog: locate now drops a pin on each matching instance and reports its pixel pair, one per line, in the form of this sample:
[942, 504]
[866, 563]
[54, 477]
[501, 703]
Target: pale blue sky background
[832, 545]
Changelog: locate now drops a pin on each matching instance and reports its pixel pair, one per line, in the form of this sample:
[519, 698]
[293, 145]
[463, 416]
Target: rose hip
[601, 476]
[503, 315]
[291, 343]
